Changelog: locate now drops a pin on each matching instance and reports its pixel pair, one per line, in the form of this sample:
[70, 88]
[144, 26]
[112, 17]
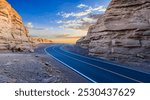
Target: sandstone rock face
[40, 40]
[13, 33]
[122, 31]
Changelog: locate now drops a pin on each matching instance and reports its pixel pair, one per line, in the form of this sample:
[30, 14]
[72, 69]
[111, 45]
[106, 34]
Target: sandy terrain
[34, 67]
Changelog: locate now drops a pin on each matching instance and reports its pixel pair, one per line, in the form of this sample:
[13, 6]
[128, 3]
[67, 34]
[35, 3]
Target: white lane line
[102, 68]
[104, 61]
[69, 66]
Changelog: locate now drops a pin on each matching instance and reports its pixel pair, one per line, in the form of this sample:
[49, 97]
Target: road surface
[96, 70]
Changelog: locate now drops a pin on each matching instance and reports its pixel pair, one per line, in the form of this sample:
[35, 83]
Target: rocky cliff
[13, 33]
[40, 40]
[123, 31]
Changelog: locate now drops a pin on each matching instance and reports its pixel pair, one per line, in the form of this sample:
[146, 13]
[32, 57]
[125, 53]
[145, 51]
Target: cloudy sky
[59, 20]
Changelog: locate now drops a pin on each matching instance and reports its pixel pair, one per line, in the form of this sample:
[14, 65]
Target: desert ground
[35, 67]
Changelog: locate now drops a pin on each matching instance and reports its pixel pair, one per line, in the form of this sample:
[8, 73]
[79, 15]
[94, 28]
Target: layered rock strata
[123, 31]
[13, 33]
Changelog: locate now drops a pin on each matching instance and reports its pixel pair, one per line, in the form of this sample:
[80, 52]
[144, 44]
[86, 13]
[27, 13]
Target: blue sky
[59, 19]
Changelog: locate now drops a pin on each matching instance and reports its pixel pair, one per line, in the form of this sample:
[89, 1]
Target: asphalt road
[97, 70]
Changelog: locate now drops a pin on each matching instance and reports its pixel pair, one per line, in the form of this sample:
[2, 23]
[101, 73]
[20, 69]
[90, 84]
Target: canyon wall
[122, 32]
[13, 33]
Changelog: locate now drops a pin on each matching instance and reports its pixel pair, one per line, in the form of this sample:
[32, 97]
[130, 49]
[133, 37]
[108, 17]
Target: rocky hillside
[40, 40]
[13, 33]
[122, 32]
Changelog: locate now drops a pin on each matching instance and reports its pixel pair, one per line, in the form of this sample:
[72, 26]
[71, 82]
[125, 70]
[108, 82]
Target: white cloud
[81, 24]
[66, 15]
[100, 9]
[55, 33]
[82, 6]
[59, 21]
[29, 25]
[83, 19]
[88, 11]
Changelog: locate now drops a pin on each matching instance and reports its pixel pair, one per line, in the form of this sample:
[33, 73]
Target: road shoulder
[37, 67]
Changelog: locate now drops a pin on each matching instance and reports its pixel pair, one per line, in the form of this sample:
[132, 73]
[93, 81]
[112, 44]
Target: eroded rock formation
[37, 40]
[123, 31]
[13, 33]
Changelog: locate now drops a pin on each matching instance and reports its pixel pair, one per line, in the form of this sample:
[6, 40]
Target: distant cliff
[123, 31]
[38, 40]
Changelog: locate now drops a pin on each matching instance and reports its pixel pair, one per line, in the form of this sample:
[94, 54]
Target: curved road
[96, 70]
